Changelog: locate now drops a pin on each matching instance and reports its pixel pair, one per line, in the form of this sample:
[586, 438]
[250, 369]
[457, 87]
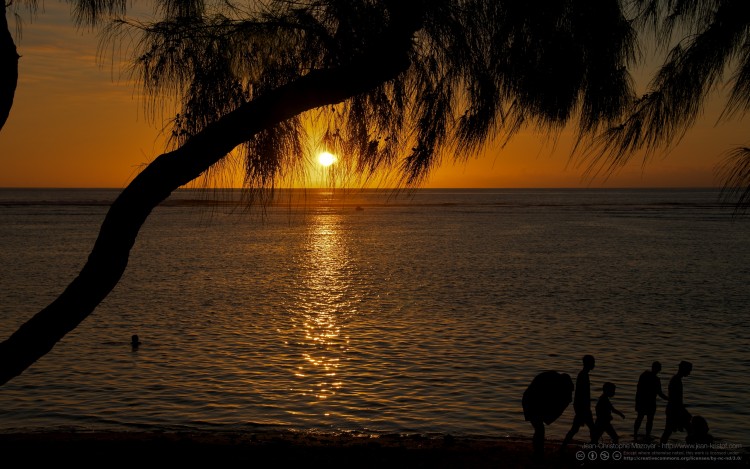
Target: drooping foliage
[711, 49]
[478, 70]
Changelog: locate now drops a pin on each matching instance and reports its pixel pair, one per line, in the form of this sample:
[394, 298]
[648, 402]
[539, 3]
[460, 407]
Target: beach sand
[266, 449]
[284, 449]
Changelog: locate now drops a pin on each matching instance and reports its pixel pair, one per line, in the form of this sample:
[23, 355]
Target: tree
[419, 78]
[712, 41]
[8, 66]
[84, 11]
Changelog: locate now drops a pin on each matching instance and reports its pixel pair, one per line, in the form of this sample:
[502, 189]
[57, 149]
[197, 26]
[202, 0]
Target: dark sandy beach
[289, 449]
[267, 449]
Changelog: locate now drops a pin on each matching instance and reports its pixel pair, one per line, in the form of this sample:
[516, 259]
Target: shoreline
[275, 448]
[282, 448]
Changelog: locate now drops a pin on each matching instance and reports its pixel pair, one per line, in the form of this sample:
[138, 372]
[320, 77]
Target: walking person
[649, 387]
[604, 411]
[678, 417]
[582, 402]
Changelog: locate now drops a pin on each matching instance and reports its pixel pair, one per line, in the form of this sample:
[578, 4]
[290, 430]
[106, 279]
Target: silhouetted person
[649, 386]
[582, 402]
[544, 401]
[135, 342]
[698, 434]
[604, 411]
[678, 418]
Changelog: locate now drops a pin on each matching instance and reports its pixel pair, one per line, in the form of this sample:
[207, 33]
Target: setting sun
[326, 159]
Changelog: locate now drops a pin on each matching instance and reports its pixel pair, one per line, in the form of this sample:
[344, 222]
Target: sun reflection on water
[324, 306]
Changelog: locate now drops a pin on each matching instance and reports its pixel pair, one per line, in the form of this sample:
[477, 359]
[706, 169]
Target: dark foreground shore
[290, 449]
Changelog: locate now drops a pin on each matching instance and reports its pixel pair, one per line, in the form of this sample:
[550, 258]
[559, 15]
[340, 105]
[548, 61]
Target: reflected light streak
[324, 306]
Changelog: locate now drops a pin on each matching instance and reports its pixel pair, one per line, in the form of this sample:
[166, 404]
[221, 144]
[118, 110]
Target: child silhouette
[604, 411]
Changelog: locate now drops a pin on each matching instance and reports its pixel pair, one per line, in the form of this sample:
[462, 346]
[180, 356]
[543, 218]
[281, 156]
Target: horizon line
[374, 188]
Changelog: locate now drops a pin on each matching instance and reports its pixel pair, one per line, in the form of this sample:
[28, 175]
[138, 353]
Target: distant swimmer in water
[135, 342]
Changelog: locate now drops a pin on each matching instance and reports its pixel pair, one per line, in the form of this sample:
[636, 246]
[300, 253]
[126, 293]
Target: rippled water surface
[429, 312]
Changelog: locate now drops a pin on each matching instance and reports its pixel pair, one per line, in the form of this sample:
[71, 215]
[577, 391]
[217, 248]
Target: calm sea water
[428, 312]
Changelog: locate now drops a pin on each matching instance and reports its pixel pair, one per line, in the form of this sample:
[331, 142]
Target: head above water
[656, 367]
[609, 389]
[589, 362]
[685, 368]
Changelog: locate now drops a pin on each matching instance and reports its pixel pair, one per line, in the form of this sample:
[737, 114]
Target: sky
[79, 123]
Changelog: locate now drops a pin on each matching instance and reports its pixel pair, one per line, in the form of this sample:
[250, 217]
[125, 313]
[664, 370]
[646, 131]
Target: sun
[327, 159]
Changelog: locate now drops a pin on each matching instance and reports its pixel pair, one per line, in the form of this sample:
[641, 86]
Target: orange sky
[76, 124]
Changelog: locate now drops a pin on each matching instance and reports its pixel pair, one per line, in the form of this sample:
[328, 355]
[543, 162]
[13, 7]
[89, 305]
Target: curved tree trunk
[168, 172]
[8, 67]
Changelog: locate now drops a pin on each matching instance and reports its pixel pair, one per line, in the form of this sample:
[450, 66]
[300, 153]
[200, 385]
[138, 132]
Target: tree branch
[168, 172]
[8, 67]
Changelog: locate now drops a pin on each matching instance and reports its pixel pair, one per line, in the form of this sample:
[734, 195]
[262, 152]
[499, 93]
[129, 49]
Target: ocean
[374, 312]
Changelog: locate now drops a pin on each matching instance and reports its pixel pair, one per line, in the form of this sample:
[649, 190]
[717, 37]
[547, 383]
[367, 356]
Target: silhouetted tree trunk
[168, 172]
[8, 67]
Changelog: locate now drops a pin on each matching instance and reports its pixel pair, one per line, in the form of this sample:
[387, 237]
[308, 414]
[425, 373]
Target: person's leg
[596, 433]
[612, 434]
[667, 431]
[572, 432]
[649, 423]
[686, 421]
[637, 425]
[538, 441]
[592, 427]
